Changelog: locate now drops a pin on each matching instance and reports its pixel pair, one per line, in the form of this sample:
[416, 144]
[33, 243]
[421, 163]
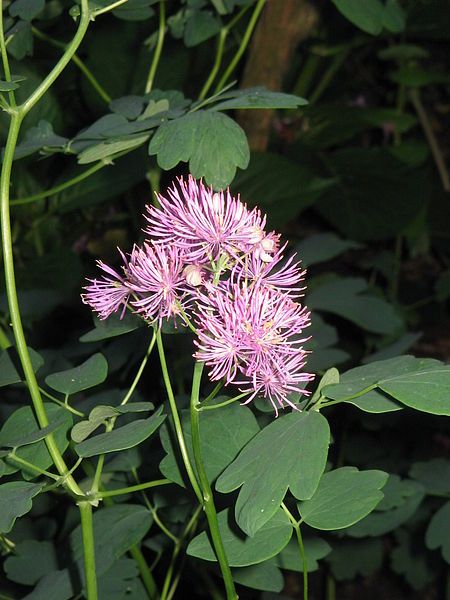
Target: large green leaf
[89, 374]
[241, 550]
[264, 576]
[116, 529]
[32, 559]
[56, 585]
[343, 497]
[344, 297]
[375, 402]
[258, 97]
[438, 532]
[121, 438]
[233, 425]
[22, 425]
[111, 327]
[15, 501]
[212, 143]
[372, 15]
[404, 497]
[290, 452]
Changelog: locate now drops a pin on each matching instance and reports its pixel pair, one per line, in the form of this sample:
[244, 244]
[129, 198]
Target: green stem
[176, 419]
[87, 532]
[101, 11]
[61, 403]
[66, 184]
[208, 500]
[71, 48]
[214, 393]
[32, 468]
[357, 395]
[304, 562]
[201, 406]
[331, 587]
[146, 574]
[414, 96]
[133, 488]
[140, 370]
[327, 77]
[77, 61]
[243, 45]
[5, 61]
[158, 48]
[217, 62]
[167, 587]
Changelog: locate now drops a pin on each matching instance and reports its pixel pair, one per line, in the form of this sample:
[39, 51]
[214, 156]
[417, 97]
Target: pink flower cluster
[210, 263]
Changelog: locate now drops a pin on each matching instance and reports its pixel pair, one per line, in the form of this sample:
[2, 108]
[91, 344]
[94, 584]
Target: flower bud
[193, 275]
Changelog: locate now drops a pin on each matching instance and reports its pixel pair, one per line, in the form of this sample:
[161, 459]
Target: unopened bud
[193, 275]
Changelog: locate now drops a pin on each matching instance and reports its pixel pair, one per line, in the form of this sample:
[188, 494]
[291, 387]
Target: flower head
[204, 223]
[109, 293]
[252, 335]
[159, 287]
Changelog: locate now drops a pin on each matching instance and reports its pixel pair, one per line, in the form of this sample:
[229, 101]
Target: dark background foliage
[356, 180]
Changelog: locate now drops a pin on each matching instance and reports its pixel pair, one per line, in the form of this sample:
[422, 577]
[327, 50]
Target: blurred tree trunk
[282, 26]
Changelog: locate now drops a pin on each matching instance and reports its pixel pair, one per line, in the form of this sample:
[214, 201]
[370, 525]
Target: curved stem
[158, 48]
[201, 406]
[77, 61]
[217, 62]
[140, 370]
[66, 184]
[298, 533]
[71, 48]
[32, 468]
[87, 532]
[243, 45]
[208, 500]
[176, 419]
[134, 488]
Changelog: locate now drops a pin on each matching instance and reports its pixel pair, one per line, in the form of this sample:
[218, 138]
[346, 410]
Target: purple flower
[106, 295]
[159, 286]
[252, 336]
[204, 223]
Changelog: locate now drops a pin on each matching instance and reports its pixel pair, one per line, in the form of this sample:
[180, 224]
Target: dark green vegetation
[356, 179]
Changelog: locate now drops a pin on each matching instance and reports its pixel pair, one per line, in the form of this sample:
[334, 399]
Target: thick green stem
[208, 500]
[146, 574]
[133, 488]
[158, 48]
[243, 45]
[87, 532]
[176, 419]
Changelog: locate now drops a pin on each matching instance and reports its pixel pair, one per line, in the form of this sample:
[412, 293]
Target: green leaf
[56, 585]
[290, 452]
[367, 15]
[22, 423]
[233, 425]
[396, 492]
[26, 9]
[31, 561]
[343, 497]
[8, 369]
[111, 327]
[427, 391]
[200, 26]
[258, 97]
[279, 185]
[359, 379]
[438, 532]
[375, 402]
[400, 346]
[315, 549]
[403, 52]
[15, 501]
[109, 148]
[8, 86]
[121, 438]
[433, 474]
[212, 143]
[322, 247]
[89, 374]
[351, 558]
[393, 17]
[264, 576]
[116, 529]
[380, 521]
[343, 296]
[243, 551]
[37, 138]
[15, 439]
